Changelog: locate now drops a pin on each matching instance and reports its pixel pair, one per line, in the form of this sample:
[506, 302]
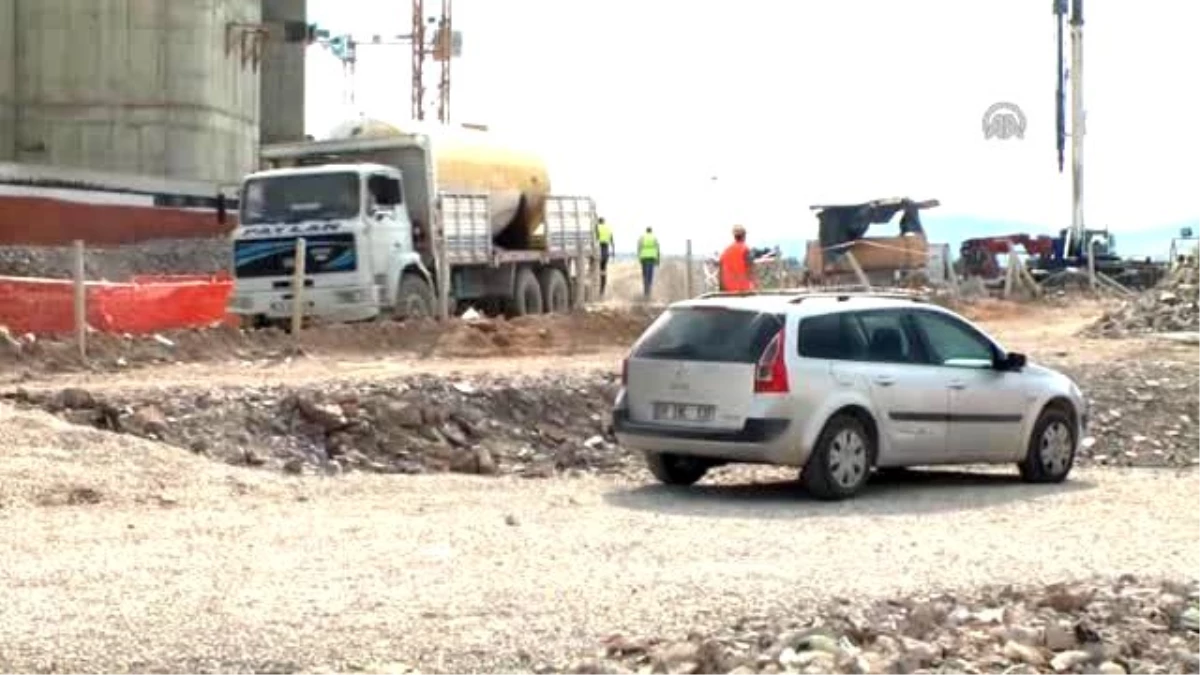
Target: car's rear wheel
[1051, 452]
[841, 460]
[671, 469]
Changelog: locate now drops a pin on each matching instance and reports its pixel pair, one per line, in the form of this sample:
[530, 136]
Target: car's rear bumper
[760, 440]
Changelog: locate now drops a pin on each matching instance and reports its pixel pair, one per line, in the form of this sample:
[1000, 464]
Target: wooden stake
[298, 272]
[858, 271]
[80, 288]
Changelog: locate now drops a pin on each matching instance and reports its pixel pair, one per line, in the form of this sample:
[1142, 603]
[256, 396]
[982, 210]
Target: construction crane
[441, 44]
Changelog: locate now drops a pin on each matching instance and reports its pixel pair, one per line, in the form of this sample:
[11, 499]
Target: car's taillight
[770, 374]
[624, 372]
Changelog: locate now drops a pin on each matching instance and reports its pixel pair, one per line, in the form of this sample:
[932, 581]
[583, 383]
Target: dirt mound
[526, 426]
[591, 330]
[50, 462]
[1141, 415]
[1170, 307]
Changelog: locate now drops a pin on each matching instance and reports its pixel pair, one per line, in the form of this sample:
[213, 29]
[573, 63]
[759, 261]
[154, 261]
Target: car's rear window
[709, 334]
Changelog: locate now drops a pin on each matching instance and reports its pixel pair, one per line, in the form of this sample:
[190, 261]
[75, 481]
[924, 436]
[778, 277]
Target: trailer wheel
[414, 298]
[555, 291]
[527, 293]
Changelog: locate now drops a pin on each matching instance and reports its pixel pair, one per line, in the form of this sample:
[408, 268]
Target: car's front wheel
[1051, 452]
[841, 460]
[671, 469]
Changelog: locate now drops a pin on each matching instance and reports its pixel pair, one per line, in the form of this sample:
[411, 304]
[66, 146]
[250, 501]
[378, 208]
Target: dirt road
[453, 573]
[128, 552]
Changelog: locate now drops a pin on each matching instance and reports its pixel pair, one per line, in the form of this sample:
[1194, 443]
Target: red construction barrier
[146, 305]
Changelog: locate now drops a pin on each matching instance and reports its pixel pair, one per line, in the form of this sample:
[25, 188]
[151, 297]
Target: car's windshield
[294, 199]
[709, 334]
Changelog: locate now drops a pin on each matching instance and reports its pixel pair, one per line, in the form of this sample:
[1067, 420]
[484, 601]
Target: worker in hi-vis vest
[604, 235]
[648, 255]
[737, 264]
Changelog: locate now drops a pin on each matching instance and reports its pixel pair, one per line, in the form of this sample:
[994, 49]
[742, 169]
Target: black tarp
[842, 224]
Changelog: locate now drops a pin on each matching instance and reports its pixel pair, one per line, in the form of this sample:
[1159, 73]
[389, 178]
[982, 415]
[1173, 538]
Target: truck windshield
[294, 199]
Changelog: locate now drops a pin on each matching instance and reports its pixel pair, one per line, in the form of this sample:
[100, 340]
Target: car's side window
[830, 336]
[888, 339]
[951, 340]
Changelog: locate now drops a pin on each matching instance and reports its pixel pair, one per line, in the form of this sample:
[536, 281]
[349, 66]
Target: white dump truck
[408, 224]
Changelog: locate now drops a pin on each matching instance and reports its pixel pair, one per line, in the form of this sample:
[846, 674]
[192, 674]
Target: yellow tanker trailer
[408, 222]
[471, 160]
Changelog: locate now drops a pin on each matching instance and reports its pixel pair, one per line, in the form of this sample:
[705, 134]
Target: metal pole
[298, 272]
[1078, 129]
[80, 288]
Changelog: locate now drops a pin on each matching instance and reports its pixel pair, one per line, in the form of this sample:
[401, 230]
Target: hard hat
[738, 229]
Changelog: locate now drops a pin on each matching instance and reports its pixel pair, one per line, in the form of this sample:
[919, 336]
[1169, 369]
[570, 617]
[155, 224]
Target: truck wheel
[555, 291]
[527, 294]
[414, 299]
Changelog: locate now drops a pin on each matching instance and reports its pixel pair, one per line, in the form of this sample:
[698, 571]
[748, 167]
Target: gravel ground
[467, 574]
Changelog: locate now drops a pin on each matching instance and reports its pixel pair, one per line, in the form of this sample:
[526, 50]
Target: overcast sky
[797, 102]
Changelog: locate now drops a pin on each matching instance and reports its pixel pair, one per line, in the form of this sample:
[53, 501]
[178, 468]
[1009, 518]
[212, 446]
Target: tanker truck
[407, 223]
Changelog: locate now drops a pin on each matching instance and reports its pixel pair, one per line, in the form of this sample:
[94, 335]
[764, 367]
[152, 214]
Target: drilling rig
[1078, 246]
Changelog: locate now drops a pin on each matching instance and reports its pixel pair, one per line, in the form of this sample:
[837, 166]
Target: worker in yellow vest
[604, 235]
[648, 255]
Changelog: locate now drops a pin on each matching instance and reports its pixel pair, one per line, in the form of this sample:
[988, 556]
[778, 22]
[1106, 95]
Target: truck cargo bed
[568, 231]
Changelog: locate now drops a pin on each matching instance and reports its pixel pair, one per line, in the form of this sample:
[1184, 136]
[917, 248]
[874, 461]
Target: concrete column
[282, 102]
[8, 80]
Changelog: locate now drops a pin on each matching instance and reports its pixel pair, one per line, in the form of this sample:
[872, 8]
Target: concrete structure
[149, 87]
[282, 74]
[8, 80]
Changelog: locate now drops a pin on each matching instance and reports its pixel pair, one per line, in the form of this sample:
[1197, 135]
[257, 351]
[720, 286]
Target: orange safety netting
[144, 305]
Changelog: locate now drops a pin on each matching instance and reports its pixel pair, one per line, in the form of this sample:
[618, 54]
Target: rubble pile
[1169, 307]
[528, 427]
[1110, 627]
[119, 263]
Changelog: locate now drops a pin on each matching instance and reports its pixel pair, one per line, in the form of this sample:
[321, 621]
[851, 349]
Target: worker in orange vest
[737, 264]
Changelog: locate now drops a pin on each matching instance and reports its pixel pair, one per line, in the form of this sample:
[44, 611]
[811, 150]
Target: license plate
[683, 412]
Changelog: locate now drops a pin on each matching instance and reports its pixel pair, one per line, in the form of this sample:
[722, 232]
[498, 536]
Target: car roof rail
[796, 295]
[843, 293]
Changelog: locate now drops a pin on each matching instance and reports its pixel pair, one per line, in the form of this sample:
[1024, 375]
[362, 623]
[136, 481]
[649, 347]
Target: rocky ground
[1113, 626]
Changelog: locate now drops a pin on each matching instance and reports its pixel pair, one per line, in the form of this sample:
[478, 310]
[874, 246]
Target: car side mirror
[1011, 361]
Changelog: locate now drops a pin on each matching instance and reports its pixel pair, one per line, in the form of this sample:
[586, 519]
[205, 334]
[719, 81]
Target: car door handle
[958, 385]
[884, 381]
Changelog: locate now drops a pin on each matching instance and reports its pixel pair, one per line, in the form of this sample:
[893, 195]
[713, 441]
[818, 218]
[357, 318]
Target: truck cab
[359, 240]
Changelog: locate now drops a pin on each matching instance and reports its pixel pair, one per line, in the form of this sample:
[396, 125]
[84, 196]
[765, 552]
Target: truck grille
[275, 257]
